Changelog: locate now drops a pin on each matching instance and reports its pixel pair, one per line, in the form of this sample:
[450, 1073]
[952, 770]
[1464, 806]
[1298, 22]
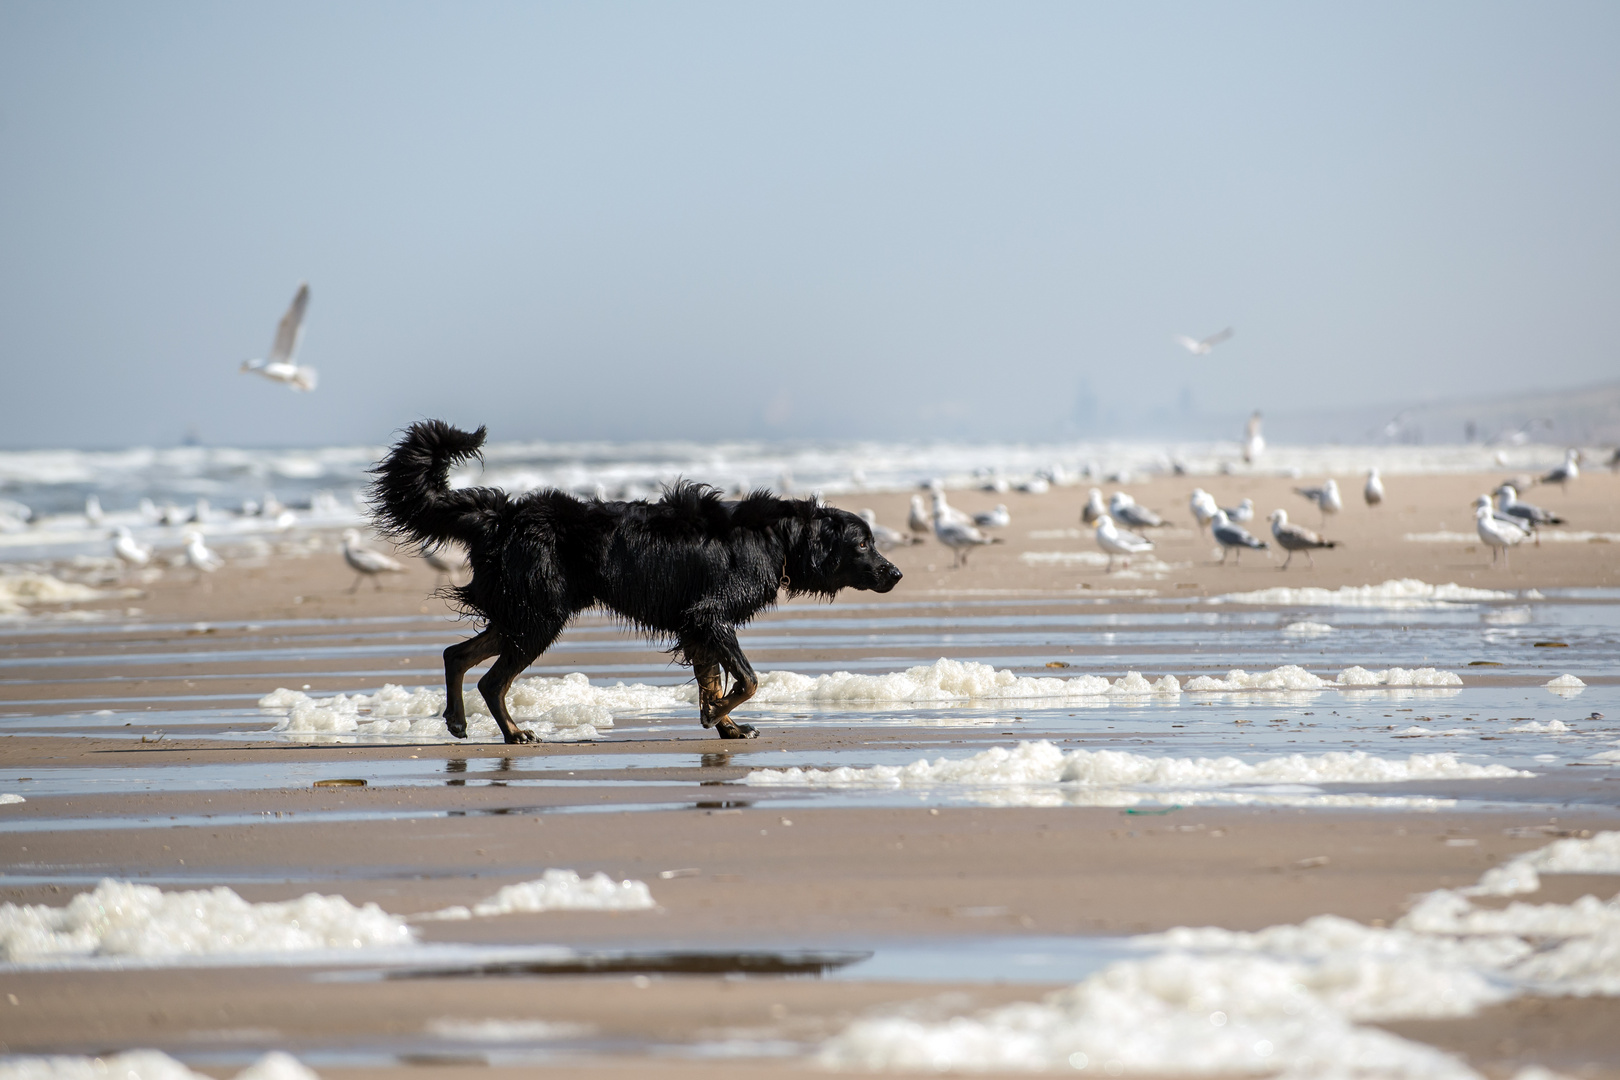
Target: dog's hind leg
[457, 659]
[744, 685]
[496, 682]
[710, 689]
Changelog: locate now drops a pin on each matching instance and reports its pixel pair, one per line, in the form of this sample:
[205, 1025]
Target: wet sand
[766, 878]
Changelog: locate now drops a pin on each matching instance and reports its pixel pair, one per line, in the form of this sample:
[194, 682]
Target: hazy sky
[618, 221]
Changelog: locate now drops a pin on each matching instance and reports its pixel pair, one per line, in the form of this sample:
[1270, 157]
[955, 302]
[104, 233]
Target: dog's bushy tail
[411, 499]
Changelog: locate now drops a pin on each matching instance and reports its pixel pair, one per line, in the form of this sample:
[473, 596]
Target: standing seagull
[1203, 507]
[919, 522]
[1325, 497]
[1497, 534]
[993, 519]
[1127, 510]
[1373, 492]
[1202, 347]
[959, 536]
[1111, 540]
[365, 562]
[129, 550]
[1234, 538]
[887, 539]
[1243, 511]
[279, 364]
[446, 560]
[1093, 509]
[1569, 470]
[946, 512]
[1254, 444]
[1507, 502]
[1292, 538]
[198, 555]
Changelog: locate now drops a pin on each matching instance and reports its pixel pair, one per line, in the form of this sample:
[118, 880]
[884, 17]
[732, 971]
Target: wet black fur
[689, 567]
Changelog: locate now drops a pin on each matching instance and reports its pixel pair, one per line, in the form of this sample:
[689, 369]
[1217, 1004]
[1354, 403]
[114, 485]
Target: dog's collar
[784, 582]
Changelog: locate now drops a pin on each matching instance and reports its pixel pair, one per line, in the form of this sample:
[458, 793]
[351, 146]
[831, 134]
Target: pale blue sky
[711, 220]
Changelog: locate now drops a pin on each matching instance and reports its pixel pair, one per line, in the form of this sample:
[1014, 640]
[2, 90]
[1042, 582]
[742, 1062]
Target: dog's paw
[457, 730]
[519, 735]
[738, 731]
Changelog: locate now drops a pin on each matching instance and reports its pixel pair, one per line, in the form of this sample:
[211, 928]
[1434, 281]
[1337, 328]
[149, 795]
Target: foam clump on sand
[1041, 762]
[144, 1065]
[1289, 1001]
[20, 591]
[558, 890]
[1307, 629]
[8, 798]
[1405, 592]
[1398, 676]
[1521, 874]
[947, 680]
[1539, 727]
[1565, 686]
[1294, 677]
[119, 918]
[568, 709]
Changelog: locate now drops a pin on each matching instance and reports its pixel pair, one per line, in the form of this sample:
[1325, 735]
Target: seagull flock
[1119, 523]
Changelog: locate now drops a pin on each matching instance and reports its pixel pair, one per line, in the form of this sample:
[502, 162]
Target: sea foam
[1401, 593]
[119, 919]
[144, 1065]
[1290, 1001]
[1040, 773]
[574, 708]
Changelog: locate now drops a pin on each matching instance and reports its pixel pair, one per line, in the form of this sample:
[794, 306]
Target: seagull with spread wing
[279, 364]
[1202, 347]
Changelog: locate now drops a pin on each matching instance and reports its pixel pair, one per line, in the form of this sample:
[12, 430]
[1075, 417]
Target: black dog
[690, 567]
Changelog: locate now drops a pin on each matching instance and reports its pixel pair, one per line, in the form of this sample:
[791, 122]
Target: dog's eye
[861, 546]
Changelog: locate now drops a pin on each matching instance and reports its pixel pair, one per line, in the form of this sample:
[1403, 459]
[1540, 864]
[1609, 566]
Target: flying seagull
[1202, 348]
[279, 364]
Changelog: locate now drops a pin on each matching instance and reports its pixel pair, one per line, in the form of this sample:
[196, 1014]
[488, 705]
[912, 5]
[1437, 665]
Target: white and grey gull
[281, 365]
[1233, 538]
[1116, 542]
[1292, 538]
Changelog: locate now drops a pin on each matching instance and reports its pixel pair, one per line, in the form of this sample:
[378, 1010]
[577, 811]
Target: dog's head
[841, 554]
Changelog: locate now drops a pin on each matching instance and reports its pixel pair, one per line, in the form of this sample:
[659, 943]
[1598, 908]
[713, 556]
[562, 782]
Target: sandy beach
[140, 746]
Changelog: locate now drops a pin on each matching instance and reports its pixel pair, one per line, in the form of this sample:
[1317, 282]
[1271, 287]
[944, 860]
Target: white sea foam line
[1307, 629]
[120, 919]
[1402, 593]
[486, 1031]
[144, 1065]
[1289, 1000]
[1294, 677]
[1039, 762]
[8, 799]
[572, 707]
